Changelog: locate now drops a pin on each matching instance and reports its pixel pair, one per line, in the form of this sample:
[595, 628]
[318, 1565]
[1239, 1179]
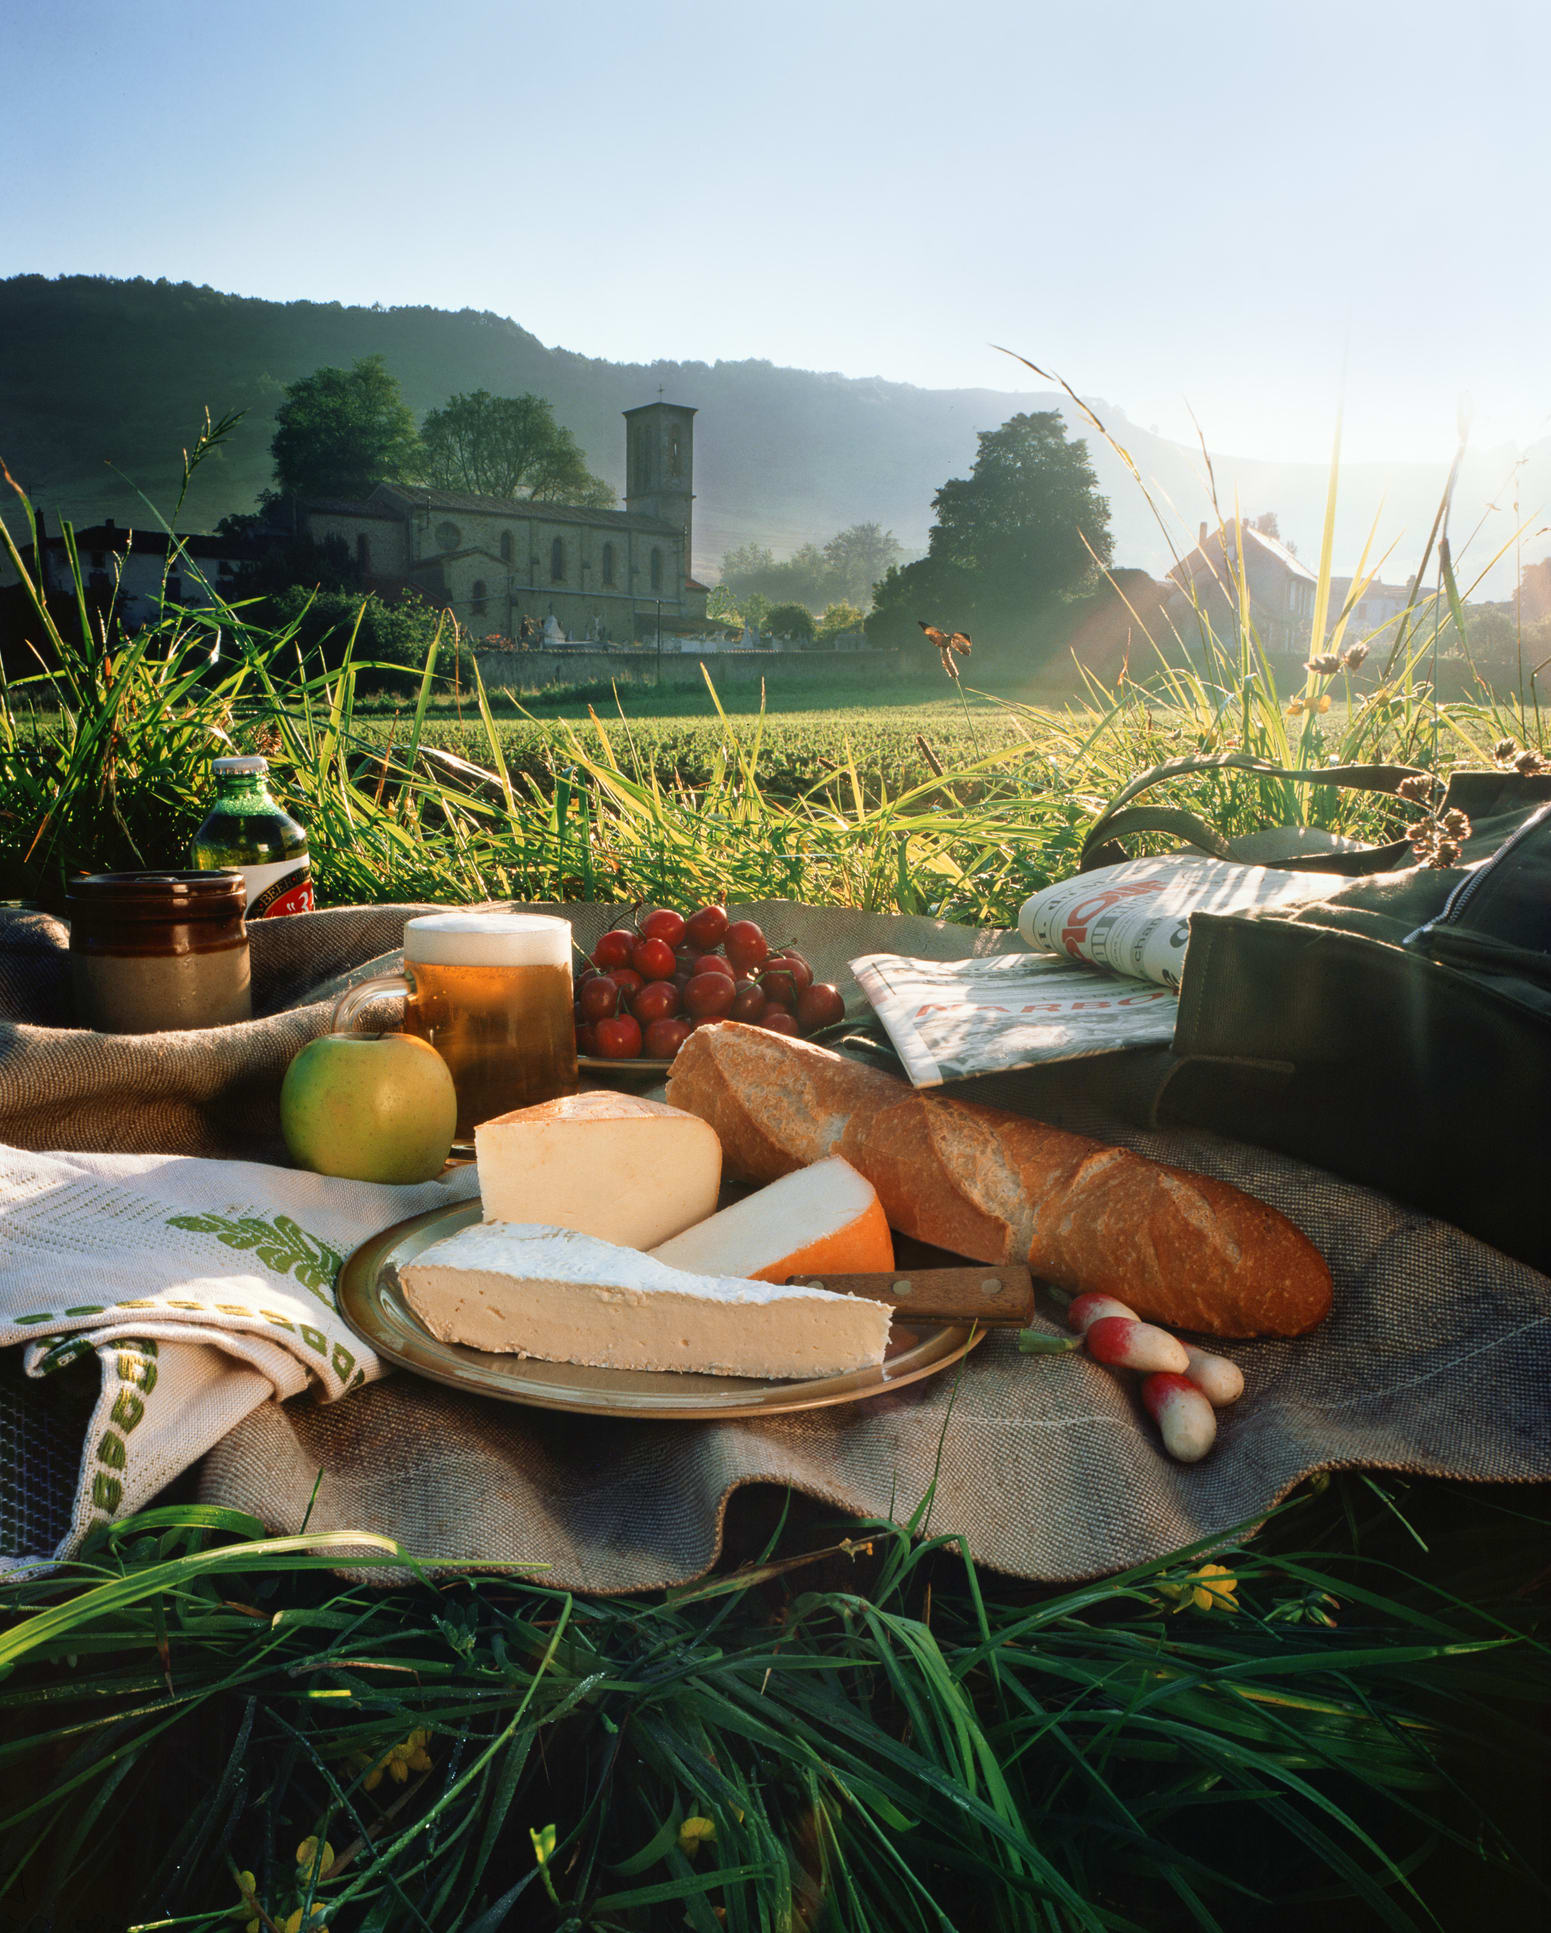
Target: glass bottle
[247, 830]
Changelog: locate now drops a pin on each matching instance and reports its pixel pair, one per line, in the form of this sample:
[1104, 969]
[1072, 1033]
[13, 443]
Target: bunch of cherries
[648, 987]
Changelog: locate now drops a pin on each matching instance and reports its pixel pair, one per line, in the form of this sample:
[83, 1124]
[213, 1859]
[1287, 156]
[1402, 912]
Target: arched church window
[673, 454]
[656, 570]
[557, 561]
[363, 552]
[608, 563]
[506, 546]
[477, 598]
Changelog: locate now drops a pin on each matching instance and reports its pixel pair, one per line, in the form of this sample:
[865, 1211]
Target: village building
[1281, 589]
[131, 572]
[513, 569]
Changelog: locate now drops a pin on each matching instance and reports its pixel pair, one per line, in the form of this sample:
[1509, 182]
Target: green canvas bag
[1399, 1033]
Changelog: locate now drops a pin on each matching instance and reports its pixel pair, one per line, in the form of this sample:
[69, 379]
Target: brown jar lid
[178, 896]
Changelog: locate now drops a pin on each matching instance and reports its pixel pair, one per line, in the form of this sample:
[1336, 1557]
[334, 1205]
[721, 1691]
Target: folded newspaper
[1110, 948]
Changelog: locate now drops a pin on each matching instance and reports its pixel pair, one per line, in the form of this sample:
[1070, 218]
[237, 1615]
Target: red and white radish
[1088, 1309]
[1219, 1380]
[1186, 1419]
[1124, 1343]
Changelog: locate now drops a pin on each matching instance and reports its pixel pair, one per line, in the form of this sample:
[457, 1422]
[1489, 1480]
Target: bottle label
[283, 887]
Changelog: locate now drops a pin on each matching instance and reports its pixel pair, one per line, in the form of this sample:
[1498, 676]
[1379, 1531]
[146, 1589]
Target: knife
[995, 1296]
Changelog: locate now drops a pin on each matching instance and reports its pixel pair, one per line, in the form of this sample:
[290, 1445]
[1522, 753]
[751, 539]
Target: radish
[1124, 1343]
[1087, 1309]
[1186, 1419]
[1220, 1381]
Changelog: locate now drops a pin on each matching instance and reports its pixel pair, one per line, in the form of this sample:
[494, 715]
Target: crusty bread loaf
[1177, 1247]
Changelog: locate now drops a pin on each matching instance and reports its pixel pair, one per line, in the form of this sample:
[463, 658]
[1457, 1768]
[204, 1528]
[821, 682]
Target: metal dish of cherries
[648, 984]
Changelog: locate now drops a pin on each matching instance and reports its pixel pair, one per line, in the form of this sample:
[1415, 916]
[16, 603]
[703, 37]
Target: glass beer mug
[491, 992]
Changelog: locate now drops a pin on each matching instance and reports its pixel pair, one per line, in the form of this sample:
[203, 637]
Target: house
[1281, 589]
[1373, 619]
[131, 570]
[568, 571]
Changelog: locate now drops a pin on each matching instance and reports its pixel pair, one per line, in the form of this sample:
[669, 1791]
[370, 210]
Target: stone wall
[533, 670]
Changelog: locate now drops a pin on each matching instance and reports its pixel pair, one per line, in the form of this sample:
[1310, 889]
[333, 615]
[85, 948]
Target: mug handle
[342, 1020]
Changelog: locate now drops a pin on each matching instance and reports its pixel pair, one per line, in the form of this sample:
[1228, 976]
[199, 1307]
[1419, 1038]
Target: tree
[1022, 536]
[839, 619]
[859, 558]
[508, 446]
[1267, 525]
[789, 621]
[342, 432]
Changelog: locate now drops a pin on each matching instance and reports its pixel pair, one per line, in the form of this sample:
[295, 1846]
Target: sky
[1250, 219]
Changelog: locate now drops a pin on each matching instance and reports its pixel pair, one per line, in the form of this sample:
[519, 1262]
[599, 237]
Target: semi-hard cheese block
[567, 1297]
[822, 1220]
[612, 1165]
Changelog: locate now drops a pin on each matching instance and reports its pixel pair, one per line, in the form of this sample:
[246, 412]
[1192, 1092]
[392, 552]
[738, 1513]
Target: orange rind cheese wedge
[823, 1220]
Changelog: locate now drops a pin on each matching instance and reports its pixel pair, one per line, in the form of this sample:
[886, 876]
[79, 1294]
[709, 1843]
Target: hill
[97, 372]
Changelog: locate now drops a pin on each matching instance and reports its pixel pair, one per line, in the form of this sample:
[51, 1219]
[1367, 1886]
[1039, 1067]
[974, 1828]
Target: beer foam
[487, 939]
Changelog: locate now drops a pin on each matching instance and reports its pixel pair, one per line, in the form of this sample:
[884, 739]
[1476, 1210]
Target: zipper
[1458, 902]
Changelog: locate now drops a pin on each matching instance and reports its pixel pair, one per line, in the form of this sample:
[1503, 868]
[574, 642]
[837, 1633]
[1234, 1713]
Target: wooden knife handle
[994, 1296]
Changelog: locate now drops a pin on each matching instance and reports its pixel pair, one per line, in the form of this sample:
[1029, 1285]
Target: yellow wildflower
[1324, 702]
[294, 1923]
[1295, 708]
[1211, 1588]
[401, 1760]
[307, 1856]
[694, 1833]
[247, 1885]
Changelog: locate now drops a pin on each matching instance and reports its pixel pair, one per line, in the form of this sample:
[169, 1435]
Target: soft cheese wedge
[612, 1165]
[826, 1219]
[567, 1297]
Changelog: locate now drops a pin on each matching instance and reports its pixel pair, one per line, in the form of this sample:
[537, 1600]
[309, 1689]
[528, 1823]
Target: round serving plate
[372, 1302]
[646, 1070]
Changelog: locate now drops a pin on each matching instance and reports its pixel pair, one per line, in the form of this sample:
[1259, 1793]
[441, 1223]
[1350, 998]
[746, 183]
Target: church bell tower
[660, 466]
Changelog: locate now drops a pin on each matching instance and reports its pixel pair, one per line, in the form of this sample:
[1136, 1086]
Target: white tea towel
[203, 1287]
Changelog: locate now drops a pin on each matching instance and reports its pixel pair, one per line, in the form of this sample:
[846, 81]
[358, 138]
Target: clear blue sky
[1179, 208]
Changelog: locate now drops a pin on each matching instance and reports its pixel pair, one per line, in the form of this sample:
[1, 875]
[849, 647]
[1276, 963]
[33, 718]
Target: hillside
[97, 372]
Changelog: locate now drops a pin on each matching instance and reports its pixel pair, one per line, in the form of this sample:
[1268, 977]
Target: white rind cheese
[617, 1166]
[528, 1290]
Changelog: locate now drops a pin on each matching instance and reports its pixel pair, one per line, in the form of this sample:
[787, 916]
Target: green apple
[370, 1107]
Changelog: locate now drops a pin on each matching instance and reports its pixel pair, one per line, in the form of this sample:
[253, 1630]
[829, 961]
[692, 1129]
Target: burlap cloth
[1436, 1358]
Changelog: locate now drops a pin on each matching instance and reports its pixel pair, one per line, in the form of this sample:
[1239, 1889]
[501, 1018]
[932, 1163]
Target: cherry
[745, 945]
[780, 985]
[663, 924]
[627, 979]
[619, 1038]
[704, 927]
[710, 996]
[795, 964]
[818, 1006]
[776, 1021]
[749, 1002]
[714, 963]
[686, 956]
[599, 998]
[657, 1000]
[614, 949]
[653, 960]
[664, 1038]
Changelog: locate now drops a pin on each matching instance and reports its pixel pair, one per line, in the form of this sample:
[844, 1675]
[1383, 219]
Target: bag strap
[1116, 821]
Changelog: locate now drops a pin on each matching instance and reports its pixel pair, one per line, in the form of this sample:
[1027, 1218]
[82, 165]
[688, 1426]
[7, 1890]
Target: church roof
[416, 497]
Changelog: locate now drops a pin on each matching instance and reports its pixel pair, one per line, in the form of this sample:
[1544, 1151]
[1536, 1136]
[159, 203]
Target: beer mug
[491, 992]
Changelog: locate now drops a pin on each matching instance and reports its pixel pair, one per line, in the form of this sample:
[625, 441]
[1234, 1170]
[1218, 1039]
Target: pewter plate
[372, 1302]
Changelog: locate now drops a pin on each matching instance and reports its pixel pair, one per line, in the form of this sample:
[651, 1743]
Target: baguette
[1179, 1248]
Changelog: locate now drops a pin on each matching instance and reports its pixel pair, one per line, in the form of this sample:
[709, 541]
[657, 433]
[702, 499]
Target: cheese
[624, 1169]
[823, 1220]
[567, 1297]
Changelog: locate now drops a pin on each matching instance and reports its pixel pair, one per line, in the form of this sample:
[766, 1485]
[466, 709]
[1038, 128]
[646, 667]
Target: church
[510, 568]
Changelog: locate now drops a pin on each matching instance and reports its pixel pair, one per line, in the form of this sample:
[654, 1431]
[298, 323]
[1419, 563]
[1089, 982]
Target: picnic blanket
[1435, 1359]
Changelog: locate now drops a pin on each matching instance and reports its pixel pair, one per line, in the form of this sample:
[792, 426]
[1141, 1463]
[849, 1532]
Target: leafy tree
[508, 446]
[1016, 540]
[789, 621]
[1267, 525]
[860, 557]
[839, 619]
[342, 432]
[722, 606]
